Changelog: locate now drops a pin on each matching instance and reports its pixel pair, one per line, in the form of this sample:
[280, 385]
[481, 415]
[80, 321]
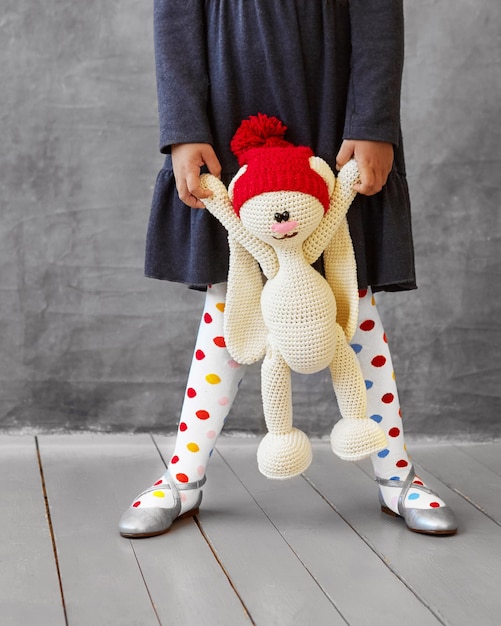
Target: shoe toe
[145, 522]
[440, 521]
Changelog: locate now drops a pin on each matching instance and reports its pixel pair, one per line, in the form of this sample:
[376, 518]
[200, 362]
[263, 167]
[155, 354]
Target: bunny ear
[244, 329]
[322, 168]
[341, 274]
[231, 186]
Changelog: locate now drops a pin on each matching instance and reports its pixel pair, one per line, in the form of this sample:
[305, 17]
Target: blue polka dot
[377, 418]
[368, 384]
[384, 453]
[357, 347]
[395, 478]
[413, 496]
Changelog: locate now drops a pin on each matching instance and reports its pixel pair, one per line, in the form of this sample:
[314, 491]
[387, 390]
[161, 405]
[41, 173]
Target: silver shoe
[439, 521]
[141, 522]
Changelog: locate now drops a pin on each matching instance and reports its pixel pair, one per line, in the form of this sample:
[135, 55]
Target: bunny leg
[354, 437]
[285, 451]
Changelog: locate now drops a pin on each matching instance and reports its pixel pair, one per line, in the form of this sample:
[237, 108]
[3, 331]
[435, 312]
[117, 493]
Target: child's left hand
[374, 160]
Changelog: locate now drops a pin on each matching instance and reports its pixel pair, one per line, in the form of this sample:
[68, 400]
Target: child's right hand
[187, 159]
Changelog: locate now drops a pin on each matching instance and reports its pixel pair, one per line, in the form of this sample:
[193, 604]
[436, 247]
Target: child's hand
[374, 160]
[187, 159]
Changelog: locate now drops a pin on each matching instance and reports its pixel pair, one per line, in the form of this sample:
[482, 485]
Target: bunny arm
[340, 202]
[245, 332]
[340, 270]
[219, 204]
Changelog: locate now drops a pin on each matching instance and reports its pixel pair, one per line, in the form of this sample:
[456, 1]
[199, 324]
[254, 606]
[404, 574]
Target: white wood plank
[272, 582]
[345, 567]
[29, 587]
[88, 478]
[185, 581]
[456, 577]
[463, 473]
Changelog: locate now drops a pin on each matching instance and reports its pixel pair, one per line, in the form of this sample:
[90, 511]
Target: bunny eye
[282, 217]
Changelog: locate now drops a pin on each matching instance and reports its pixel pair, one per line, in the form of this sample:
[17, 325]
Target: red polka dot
[394, 432]
[434, 505]
[418, 482]
[400, 412]
[378, 361]
[385, 338]
[202, 415]
[402, 463]
[220, 342]
[136, 504]
[159, 482]
[175, 459]
[367, 325]
[388, 398]
[199, 355]
[183, 427]
[182, 478]
[208, 318]
[190, 392]
[362, 293]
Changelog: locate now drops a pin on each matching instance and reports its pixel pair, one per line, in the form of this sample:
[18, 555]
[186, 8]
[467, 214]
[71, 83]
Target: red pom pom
[258, 131]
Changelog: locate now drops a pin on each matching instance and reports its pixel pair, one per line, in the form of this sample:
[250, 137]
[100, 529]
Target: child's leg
[392, 465]
[213, 383]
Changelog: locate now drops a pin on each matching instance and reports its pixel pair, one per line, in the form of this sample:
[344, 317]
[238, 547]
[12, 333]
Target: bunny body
[312, 346]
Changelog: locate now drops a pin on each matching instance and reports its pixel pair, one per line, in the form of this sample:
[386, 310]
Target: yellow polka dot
[220, 306]
[158, 494]
[192, 447]
[373, 301]
[213, 379]
[393, 375]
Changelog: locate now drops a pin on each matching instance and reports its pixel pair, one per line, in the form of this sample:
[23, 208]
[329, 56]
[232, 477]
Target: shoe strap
[174, 486]
[405, 485]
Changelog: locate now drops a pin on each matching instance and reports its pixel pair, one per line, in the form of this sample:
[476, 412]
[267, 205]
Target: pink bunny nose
[283, 227]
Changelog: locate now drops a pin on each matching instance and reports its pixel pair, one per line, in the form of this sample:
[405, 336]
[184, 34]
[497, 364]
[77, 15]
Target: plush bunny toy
[283, 209]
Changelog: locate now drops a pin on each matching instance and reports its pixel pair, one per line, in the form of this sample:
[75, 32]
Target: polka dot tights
[371, 346]
[212, 385]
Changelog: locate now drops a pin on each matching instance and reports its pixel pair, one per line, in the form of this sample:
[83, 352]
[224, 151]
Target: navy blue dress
[330, 70]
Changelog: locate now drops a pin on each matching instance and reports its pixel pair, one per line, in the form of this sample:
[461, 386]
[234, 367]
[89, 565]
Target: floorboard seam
[284, 539]
[374, 550]
[158, 450]
[464, 450]
[223, 569]
[145, 584]
[51, 529]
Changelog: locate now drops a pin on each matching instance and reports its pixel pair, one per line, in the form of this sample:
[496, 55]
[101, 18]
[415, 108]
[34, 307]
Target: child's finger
[369, 183]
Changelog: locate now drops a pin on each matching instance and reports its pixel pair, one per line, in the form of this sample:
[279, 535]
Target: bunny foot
[284, 456]
[356, 439]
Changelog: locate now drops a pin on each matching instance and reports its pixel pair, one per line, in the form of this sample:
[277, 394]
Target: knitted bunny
[283, 209]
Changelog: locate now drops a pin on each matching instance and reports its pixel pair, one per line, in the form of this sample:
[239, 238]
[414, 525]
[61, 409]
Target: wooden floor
[314, 550]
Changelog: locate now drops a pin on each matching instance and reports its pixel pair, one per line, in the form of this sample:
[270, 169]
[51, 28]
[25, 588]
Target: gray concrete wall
[87, 343]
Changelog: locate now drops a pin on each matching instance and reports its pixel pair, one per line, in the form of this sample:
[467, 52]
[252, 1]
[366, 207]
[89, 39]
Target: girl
[331, 71]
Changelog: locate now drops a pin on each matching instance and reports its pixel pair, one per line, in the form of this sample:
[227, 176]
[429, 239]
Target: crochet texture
[296, 319]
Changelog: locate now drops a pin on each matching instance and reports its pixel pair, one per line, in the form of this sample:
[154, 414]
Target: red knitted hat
[273, 164]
